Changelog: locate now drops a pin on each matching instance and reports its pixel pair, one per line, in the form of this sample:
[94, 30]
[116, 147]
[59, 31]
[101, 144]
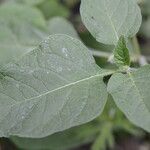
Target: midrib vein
[134, 84]
[70, 84]
[111, 22]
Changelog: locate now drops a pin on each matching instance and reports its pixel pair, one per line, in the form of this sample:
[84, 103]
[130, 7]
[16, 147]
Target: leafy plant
[51, 8]
[28, 2]
[57, 84]
[99, 131]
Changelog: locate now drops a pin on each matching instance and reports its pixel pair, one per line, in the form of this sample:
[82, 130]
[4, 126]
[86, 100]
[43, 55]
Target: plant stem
[107, 55]
[136, 46]
[98, 53]
[141, 59]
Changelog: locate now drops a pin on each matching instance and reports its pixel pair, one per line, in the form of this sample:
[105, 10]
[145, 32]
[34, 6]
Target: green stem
[136, 46]
[141, 59]
[102, 54]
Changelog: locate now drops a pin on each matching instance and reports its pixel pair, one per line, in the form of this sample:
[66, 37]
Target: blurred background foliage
[111, 130]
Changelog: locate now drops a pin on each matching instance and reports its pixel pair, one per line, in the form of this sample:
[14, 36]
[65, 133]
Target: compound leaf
[107, 20]
[131, 92]
[53, 87]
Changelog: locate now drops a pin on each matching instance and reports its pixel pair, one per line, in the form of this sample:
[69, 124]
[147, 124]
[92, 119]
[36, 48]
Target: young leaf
[131, 94]
[51, 88]
[121, 53]
[107, 20]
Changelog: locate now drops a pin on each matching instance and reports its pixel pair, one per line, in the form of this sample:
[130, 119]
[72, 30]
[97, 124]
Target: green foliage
[19, 33]
[121, 53]
[131, 94]
[55, 85]
[102, 127]
[52, 84]
[17, 12]
[52, 8]
[60, 25]
[108, 20]
[60, 141]
[104, 137]
[28, 2]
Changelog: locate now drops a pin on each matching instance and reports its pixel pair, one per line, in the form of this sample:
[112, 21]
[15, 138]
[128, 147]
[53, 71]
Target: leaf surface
[28, 2]
[107, 20]
[121, 53]
[53, 8]
[60, 25]
[19, 32]
[51, 88]
[65, 140]
[131, 94]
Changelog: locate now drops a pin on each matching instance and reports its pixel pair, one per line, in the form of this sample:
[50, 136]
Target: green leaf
[131, 94]
[60, 25]
[107, 20]
[52, 88]
[28, 2]
[19, 33]
[13, 12]
[65, 140]
[121, 53]
[52, 8]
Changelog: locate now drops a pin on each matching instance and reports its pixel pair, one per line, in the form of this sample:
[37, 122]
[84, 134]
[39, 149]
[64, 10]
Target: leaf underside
[52, 88]
[65, 140]
[21, 33]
